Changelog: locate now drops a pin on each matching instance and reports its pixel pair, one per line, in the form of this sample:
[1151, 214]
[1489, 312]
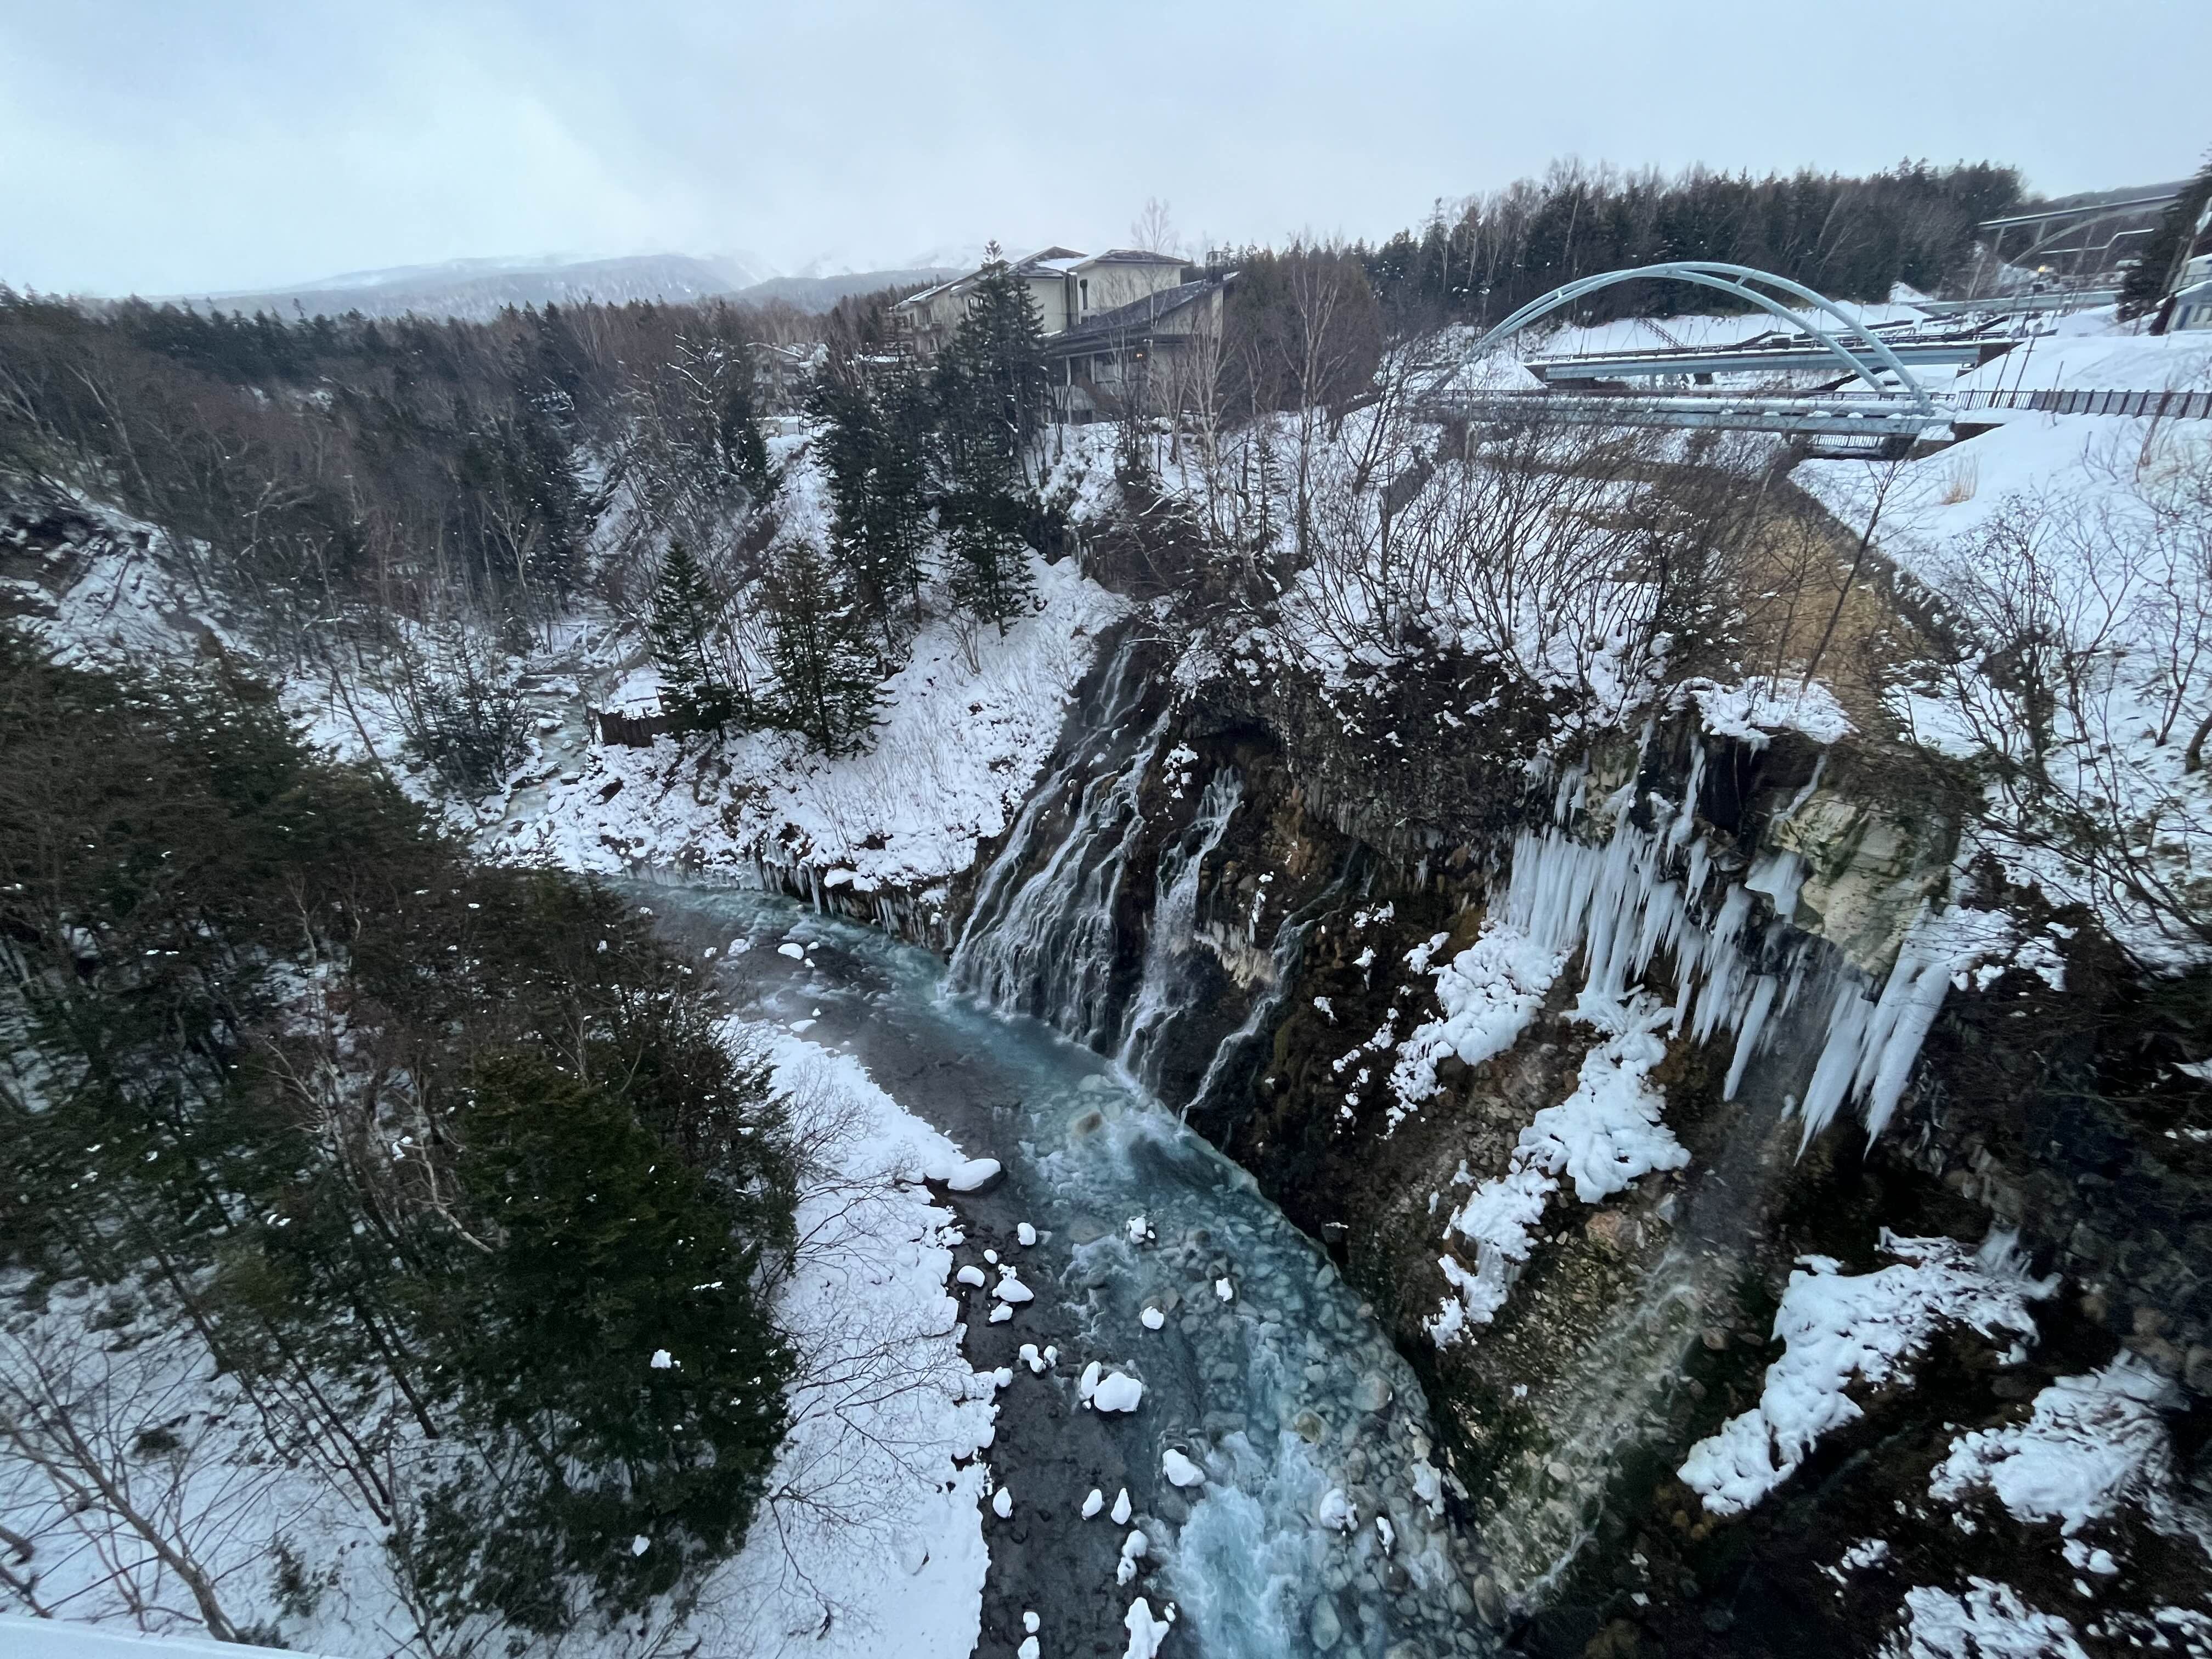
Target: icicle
[1701, 865]
[1763, 988]
[1779, 876]
[1680, 832]
[1805, 794]
[1839, 1058]
[1726, 963]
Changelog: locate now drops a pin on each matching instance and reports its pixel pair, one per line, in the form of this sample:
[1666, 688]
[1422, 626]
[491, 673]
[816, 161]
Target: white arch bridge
[1888, 410]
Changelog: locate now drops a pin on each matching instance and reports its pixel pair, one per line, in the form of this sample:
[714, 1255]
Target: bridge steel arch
[1735, 280]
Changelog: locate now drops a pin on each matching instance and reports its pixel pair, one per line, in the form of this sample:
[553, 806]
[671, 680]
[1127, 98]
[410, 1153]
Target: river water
[1265, 1371]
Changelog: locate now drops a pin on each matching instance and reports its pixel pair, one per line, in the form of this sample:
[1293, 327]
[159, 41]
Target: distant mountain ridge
[474, 290]
[820, 293]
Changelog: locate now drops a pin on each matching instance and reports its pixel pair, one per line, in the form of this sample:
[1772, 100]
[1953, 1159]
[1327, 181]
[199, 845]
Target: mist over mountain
[475, 291]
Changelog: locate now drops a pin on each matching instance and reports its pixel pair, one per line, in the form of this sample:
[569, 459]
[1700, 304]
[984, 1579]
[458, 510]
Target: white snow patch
[1602, 1137]
[2094, 1444]
[1844, 1328]
[1116, 1391]
[1990, 1621]
[974, 1173]
[1146, 1633]
[1755, 710]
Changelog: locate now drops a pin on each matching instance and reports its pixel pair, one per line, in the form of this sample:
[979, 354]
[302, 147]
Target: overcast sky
[159, 147]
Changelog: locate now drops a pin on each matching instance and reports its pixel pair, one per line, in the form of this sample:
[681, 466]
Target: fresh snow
[1990, 1621]
[1146, 1633]
[882, 1532]
[1602, 1138]
[1754, 711]
[1133, 1550]
[2101, 577]
[64, 1638]
[1841, 1328]
[972, 1173]
[957, 750]
[2093, 1444]
[1116, 1391]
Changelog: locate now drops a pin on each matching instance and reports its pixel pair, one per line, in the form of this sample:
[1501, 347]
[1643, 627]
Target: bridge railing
[2048, 400]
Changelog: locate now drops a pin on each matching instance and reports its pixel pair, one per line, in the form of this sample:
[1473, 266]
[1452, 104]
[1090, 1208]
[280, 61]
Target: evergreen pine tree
[827, 681]
[744, 451]
[991, 383]
[990, 387]
[990, 575]
[2165, 248]
[873, 445]
[693, 686]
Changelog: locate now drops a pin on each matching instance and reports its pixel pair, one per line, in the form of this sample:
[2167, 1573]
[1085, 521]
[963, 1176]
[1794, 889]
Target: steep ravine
[1298, 858]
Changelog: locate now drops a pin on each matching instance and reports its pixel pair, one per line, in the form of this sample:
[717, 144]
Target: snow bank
[58, 1639]
[881, 1532]
[958, 749]
[2072, 527]
[1753, 711]
[1990, 1621]
[1842, 1329]
[2094, 1444]
[2098, 361]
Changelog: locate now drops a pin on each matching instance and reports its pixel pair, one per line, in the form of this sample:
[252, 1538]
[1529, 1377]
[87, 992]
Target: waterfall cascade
[1162, 995]
[1045, 944]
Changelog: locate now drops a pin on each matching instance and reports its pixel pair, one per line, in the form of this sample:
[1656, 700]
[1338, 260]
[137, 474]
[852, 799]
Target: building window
[1083, 291]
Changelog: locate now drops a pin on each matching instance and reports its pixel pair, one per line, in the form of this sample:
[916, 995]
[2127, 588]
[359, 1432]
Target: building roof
[1095, 331]
[1053, 260]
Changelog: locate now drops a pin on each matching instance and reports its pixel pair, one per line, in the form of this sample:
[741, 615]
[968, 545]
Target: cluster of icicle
[1617, 902]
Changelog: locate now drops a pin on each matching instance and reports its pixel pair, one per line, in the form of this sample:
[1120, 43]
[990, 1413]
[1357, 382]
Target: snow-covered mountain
[477, 288]
[474, 290]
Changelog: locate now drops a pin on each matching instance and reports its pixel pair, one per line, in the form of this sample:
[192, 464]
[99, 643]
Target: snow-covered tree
[695, 684]
[828, 677]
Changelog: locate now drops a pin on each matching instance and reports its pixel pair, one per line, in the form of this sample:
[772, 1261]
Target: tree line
[1850, 238]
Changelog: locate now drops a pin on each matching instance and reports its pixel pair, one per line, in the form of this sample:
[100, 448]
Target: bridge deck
[1829, 416]
[1749, 359]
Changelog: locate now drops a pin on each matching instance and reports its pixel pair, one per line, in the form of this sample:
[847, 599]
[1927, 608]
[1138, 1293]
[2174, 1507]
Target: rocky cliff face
[1253, 887]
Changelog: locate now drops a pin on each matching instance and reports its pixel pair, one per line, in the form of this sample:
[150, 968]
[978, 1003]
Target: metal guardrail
[1830, 415]
[1750, 359]
[2081, 298]
[2158, 405]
